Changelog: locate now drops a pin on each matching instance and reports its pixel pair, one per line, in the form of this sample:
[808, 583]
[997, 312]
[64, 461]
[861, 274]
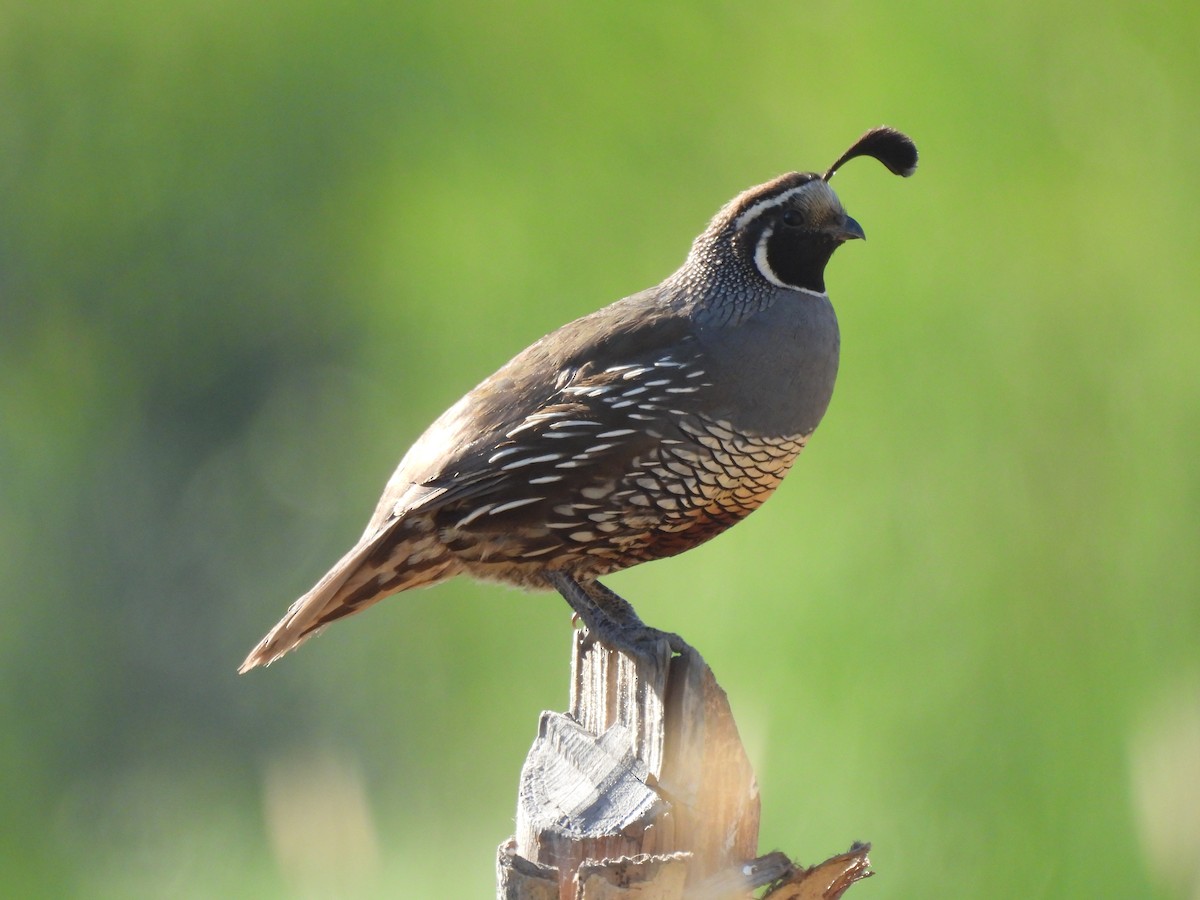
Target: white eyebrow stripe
[768, 203]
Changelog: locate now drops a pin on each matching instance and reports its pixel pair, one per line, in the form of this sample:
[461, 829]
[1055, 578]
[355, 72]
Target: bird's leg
[609, 617]
[609, 600]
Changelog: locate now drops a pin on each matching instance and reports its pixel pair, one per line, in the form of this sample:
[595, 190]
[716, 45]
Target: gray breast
[774, 371]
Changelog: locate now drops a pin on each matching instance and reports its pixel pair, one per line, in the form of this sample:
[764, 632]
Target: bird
[631, 434]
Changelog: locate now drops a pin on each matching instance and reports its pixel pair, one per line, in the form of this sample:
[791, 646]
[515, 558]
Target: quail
[631, 434]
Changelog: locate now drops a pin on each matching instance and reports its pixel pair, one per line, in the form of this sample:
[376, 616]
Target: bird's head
[785, 231]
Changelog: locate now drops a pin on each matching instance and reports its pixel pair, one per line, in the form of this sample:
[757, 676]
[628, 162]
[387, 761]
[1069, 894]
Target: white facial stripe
[760, 258]
[764, 266]
[767, 204]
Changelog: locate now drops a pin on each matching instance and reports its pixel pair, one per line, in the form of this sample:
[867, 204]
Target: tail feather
[377, 567]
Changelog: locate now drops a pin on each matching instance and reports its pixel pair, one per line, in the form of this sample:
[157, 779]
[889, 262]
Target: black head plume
[893, 148]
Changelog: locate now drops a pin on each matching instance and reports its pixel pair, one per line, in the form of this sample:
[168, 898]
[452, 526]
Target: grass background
[248, 251]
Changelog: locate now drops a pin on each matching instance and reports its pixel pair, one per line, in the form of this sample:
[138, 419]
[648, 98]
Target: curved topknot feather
[893, 148]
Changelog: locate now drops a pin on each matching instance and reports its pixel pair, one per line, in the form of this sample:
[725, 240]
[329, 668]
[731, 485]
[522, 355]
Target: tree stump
[643, 789]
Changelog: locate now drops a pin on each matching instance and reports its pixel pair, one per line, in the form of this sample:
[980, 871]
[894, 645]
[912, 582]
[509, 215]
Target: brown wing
[456, 462]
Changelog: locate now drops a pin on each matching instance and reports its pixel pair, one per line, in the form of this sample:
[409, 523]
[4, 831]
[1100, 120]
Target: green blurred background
[247, 253]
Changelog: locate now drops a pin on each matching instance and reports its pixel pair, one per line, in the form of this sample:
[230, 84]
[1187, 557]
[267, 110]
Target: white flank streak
[507, 451]
[544, 550]
[533, 420]
[475, 514]
[620, 432]
[538, 552]
[567, 423]
[513, 504]
[529, 461]
[545, 479]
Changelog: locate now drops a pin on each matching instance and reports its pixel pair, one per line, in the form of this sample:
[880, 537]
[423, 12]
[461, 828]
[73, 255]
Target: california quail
[631, 434]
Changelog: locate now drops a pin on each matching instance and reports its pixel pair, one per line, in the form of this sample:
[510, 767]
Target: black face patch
[790, 237]
[796, 256]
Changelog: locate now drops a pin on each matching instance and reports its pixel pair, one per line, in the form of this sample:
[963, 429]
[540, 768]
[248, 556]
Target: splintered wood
[643, 790]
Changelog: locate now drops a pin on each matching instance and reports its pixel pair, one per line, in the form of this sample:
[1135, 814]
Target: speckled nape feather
[632, 434]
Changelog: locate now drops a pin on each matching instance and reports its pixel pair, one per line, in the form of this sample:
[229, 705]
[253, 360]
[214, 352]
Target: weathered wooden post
[643, 789]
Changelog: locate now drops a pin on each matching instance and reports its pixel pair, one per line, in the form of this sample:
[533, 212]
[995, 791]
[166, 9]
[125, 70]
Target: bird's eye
[792, 218]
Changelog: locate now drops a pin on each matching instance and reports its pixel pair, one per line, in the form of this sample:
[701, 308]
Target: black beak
[850, 231]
